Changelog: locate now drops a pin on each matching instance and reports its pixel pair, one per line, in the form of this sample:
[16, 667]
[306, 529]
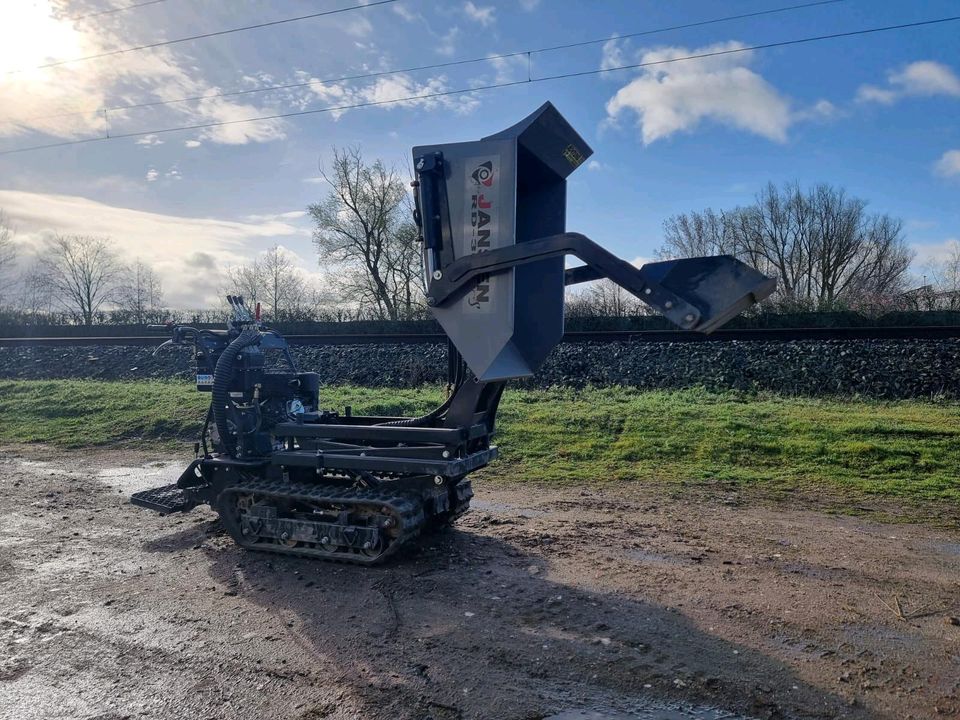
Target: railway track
[739, 335]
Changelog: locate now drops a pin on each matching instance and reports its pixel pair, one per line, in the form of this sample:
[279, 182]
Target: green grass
[906, 449]
[80, 413]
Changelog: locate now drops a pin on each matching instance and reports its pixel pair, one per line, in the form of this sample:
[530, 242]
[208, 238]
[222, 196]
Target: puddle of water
[652, 711]
[892, 639]
[17, 530]
[133, 479]
[45, 467]
[499, 507]
[949, 548]
[645, 557]
[125, 479]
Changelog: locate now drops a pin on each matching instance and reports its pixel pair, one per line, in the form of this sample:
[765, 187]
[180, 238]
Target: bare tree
[943, 290]
[244, 280]
[604, 298]
[274, 280]
[405, 265]
[362, 225]
[697, 234]
[324, 304]
[140, 294]
[8, 254]
[33, 294]
[284, 287]
[945, 273]
[822, 246]
[82, 273]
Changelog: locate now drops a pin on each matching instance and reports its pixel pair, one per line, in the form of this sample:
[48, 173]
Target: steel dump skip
[505, 189]
[493, 221]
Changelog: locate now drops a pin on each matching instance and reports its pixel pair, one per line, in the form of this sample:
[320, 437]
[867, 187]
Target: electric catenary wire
[433, 66]
[203, 36]
[493, 86]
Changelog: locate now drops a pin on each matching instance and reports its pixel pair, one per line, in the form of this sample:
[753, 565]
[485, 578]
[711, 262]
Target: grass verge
[904, 449]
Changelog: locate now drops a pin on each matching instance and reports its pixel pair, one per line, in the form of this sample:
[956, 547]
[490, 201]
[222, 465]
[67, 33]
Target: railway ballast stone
[872, 368]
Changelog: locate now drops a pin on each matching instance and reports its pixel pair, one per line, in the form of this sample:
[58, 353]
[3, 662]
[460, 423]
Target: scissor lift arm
[698, 294]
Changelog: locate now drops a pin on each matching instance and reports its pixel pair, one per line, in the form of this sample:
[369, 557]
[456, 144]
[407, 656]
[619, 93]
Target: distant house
[928, 297]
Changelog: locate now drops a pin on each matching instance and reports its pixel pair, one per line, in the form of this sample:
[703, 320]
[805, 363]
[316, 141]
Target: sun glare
[31, 35]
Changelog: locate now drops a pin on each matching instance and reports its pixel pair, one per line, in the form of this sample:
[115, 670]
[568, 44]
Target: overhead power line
[432, 66]
[110, 11]
[203, 36]
[492, 86]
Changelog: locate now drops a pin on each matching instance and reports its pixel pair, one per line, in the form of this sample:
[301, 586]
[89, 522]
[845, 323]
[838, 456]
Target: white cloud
[529, 5]
[927, 254]
[916, 224]
[404, 12]
[824, 108]
[509, 69]
[820, 110]
[949, 164]
[173, 173]
[612, 55]
[149, 141]
[192, 143]
[485, 15]
[392, 92]
[238, 133]
[678, 96]
[448, 43]
[924, 78]
[152, 175]
[66, 101]
[358, 26]
[927, 78]
[168, 242]
[596, 165]
[274, 217]
[872, 93]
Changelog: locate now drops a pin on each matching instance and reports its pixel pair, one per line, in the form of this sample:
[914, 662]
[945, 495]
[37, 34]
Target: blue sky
[877, 114]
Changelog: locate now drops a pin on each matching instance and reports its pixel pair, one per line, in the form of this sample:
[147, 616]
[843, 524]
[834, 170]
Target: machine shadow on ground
[462, 625]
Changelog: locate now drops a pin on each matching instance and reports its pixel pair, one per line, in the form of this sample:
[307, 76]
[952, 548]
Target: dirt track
[541, 603]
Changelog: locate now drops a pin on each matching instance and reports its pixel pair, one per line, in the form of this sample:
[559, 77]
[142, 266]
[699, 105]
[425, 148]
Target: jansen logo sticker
[482, 213]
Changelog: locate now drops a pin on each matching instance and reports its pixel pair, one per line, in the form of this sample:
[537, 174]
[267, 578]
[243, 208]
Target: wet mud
[541, 603]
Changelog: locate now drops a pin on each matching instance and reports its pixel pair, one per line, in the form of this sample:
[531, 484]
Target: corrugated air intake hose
[222, 375]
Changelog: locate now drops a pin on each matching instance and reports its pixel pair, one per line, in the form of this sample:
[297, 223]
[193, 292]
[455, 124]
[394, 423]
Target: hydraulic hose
[222, 375]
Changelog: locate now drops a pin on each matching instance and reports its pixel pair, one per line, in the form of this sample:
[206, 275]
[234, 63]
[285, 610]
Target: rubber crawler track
[406, 506]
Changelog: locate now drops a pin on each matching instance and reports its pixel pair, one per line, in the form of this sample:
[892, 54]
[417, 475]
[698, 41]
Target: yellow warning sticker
[573, 155]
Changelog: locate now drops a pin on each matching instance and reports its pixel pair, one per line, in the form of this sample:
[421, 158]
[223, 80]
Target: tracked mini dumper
[288, 476]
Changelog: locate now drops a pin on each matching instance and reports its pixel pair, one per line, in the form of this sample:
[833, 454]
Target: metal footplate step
[166, 499]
